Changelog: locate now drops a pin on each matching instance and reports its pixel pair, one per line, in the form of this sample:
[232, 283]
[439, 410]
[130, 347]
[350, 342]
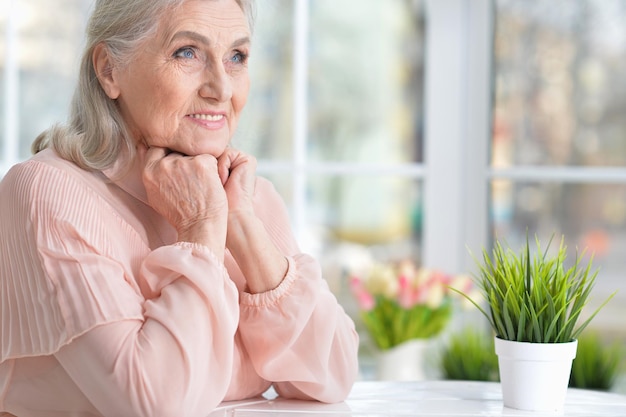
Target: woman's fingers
[236, 162]
[185, 190]
[223, 167]
[238, 174]
[152, 155]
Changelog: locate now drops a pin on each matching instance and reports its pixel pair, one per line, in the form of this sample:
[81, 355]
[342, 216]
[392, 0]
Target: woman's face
[187, 86]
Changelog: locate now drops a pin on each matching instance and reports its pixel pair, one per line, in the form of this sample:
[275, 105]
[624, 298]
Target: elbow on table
[170, 400]
[344, 379]
[165, 407]
[339, 382]
[330, 392]
[334, 396]
[341, 391]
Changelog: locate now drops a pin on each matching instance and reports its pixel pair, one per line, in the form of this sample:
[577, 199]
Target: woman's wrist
[207, 235]
[260, 261]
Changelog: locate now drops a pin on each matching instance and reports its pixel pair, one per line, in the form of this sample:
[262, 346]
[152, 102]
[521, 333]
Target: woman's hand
[187, 191]
[263, 265]
[237, 172]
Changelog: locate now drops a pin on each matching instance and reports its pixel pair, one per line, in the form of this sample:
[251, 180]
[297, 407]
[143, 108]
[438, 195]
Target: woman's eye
[239, 58]
[187, 53]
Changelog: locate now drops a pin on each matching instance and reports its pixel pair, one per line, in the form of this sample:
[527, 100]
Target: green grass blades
[597, 363]
[534, 297]
[469, 355]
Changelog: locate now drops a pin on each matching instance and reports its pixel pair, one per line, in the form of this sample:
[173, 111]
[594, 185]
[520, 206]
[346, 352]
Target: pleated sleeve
[140, 331]
[59, 272]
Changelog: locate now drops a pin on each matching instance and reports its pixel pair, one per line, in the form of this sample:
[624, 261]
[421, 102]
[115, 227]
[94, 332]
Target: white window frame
[458, 131]
[454, 217]
[458, 104]
[456, 138]
[10, 144]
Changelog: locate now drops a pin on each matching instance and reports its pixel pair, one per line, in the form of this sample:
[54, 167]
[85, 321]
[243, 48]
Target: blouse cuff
[166, 264]
[198, 249]
[272, 297]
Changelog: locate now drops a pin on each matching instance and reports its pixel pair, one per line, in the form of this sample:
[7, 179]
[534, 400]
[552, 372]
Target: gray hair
[96, 133]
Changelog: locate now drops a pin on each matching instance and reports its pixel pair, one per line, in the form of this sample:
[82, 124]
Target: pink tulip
[365, 300]
[355, 284]
[406, 298]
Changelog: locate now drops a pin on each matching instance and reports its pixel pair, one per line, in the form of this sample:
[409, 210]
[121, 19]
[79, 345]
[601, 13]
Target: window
[402, 128]
[335, 117]
[39, 46]
[559, 142]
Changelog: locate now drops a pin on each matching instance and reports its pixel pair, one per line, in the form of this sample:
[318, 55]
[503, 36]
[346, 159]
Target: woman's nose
[217, 84]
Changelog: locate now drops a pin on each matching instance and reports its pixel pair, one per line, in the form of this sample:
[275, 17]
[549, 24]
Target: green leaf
[532, 296]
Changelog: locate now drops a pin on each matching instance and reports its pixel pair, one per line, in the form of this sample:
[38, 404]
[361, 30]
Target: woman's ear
[105, 71]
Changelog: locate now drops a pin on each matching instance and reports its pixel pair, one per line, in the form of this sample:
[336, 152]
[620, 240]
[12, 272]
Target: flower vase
[404, 362]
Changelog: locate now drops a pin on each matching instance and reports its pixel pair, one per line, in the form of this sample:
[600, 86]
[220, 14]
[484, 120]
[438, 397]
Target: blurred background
[403, 129]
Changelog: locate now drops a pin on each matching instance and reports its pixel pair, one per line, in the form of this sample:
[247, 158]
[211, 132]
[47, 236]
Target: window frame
[456, 172]
[450, 78]
[457, 137]
[10, 144]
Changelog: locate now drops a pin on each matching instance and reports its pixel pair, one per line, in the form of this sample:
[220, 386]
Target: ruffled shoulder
[60, 246]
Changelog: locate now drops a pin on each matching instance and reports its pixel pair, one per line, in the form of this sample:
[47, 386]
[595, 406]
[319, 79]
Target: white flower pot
[404, 362]
[535, 376]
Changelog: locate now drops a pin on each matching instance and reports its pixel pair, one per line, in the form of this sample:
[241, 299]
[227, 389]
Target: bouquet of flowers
[400, 302]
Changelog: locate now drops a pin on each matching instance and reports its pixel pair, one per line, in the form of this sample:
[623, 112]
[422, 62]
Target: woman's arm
[262, 263]
[297, 334]
[141, 332]
[299, 337]
[178, 361]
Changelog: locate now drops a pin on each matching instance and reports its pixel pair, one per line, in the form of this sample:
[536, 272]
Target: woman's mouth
[208, 117]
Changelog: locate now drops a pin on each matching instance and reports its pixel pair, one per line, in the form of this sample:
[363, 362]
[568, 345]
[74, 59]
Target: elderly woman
[144, 269]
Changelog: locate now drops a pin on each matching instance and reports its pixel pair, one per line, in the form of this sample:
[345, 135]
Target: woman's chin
[198, 151]
[208, 151]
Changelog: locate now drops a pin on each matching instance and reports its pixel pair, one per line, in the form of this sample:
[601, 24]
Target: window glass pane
[48, 56]
[591, 216]
[560, 83]
[366, 80]
[4, 20]
[361, 218]
[284, 186]
[266, 128]
[2, 109]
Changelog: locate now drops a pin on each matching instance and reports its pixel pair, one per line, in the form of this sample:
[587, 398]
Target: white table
[423, 398]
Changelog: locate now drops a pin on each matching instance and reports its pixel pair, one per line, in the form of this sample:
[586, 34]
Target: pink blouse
[102, 313]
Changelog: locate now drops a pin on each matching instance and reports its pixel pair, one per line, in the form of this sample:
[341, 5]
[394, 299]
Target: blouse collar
[128, 176]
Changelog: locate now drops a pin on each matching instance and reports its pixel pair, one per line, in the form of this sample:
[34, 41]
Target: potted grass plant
[534, 304]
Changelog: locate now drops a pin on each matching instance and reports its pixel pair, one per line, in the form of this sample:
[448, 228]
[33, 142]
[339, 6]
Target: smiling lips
[208, 117]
